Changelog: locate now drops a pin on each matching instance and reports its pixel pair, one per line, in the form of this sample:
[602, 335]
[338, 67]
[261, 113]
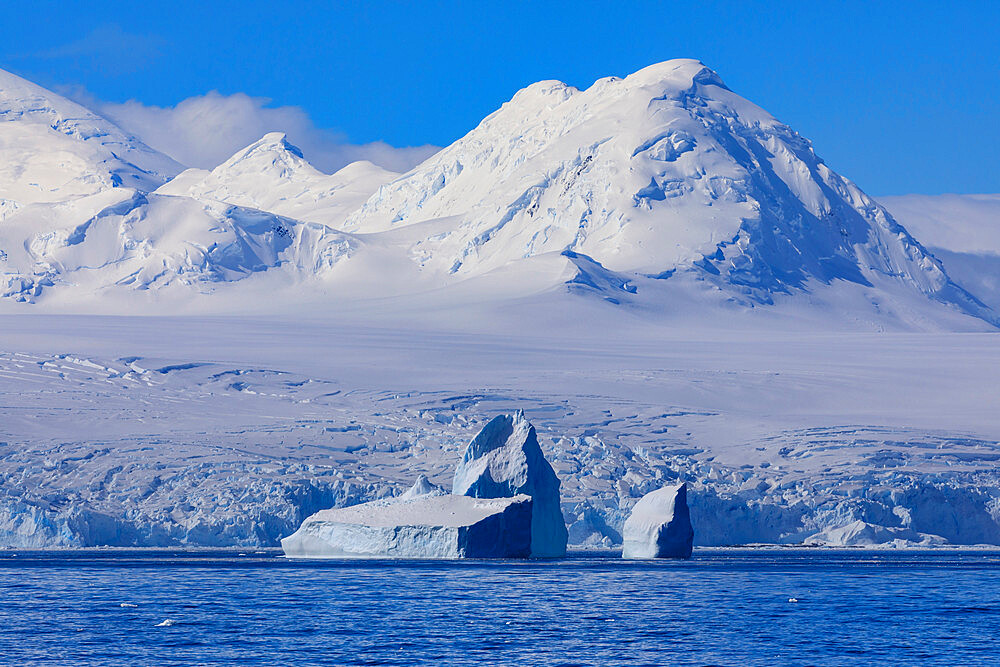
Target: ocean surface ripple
[724, 607]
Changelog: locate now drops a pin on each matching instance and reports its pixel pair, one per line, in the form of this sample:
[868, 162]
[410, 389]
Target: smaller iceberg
[859, 533]
[659, 525]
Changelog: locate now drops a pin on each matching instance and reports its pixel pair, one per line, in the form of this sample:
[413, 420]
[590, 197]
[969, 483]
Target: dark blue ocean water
[720, 608]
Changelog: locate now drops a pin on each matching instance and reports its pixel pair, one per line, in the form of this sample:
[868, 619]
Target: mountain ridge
[636, 190]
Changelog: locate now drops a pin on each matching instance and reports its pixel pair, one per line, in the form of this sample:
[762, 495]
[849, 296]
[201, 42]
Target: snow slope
[52, 149]
[963, 232]
[123, 239]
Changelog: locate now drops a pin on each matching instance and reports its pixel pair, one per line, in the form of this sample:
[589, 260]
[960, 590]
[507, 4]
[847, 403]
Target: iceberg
[422, 526]
[505, 460]
[659, 525]
[861, 533]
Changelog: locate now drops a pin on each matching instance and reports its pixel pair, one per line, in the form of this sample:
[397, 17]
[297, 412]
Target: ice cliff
[421, 526]
[659, 525]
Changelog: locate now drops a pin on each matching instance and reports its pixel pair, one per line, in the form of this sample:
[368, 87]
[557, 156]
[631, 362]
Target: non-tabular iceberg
[505, 505]
[505, 460]
[659, 525]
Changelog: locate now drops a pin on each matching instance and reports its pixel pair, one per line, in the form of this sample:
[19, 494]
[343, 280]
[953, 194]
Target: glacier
[659, 525]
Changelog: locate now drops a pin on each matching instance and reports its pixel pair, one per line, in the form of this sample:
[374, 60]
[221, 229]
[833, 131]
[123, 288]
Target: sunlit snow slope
[664, 171]
[52, 149]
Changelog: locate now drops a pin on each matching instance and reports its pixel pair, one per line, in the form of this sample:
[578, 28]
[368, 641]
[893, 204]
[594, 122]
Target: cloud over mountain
[205, 130]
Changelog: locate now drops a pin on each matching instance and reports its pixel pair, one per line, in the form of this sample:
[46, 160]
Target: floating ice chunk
[860, 533]
[426, 526]
[659, 525]
[505, 460]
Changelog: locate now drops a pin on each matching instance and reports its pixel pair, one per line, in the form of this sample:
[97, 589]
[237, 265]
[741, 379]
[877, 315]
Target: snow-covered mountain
[660, 189]
[664, 171]
[272, 175]
[80, 217]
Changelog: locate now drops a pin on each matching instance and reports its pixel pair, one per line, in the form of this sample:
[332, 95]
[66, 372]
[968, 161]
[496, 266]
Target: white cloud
[206, 130]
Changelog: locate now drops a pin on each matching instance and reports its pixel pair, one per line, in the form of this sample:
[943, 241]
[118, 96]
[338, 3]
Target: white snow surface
[52, 149]
[426, 526]
[659, 525]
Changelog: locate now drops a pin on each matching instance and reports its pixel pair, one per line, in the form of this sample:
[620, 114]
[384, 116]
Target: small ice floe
[793, 599]
[166, 623]
[128, 605]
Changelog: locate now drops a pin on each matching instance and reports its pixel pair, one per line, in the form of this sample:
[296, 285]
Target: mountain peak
[664, 173]
[679, 72]
[273, 145]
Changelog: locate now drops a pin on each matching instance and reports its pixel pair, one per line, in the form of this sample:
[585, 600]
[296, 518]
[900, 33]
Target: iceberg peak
[422, 487]
[505, 460]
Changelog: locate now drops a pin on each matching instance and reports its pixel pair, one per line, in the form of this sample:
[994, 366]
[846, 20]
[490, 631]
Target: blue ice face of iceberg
[505, 460]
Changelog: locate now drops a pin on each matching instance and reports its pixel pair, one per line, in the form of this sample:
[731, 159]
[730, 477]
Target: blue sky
[899, 100]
